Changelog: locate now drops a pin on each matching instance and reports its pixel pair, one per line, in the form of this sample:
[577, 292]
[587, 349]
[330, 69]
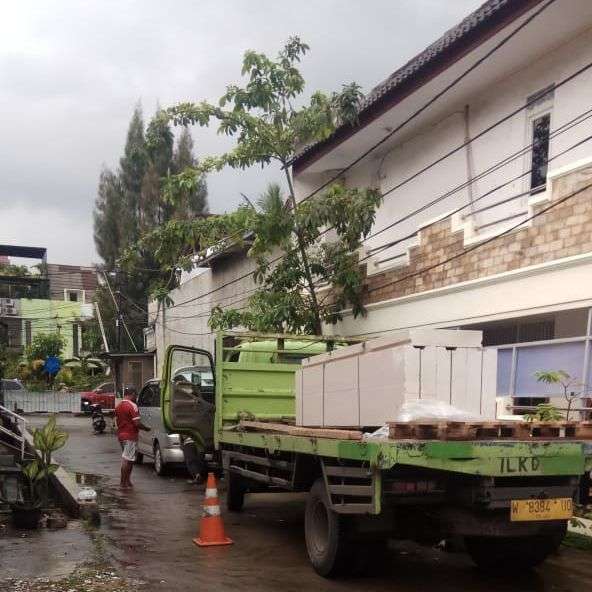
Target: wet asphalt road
[148, 533]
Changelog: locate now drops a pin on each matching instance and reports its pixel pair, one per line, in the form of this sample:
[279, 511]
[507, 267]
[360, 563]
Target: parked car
[9, 384]
[156, 444]
[12, 384]
[104, 395]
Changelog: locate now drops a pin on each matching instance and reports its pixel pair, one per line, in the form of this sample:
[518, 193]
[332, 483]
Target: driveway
[147, 534]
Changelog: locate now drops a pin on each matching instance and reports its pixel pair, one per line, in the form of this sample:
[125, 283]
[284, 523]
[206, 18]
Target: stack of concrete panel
[366, 384]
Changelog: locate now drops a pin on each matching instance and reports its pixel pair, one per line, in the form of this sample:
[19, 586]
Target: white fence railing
[42, 402]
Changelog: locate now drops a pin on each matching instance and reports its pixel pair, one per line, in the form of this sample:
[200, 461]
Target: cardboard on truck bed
[366, 384]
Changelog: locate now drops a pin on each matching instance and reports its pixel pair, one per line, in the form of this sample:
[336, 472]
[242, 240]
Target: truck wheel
[329, 549]
[235, 492]
[513, 553]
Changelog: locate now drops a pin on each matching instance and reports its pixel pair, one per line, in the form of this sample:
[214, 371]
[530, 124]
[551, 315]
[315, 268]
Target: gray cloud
[71, 72]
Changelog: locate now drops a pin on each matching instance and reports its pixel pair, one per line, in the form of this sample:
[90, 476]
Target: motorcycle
[97, 418]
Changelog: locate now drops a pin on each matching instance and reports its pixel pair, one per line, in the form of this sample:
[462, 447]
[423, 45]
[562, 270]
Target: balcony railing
[518, 363]
[24, 287]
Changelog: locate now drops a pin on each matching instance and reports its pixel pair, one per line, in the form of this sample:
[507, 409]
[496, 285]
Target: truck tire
[513, 553]
[329, 549]
[235, 492]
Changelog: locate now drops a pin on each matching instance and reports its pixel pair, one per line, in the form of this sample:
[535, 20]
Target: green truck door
[188, 393]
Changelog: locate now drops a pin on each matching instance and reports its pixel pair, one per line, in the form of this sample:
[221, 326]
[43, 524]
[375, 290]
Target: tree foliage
[44, 345]
[132, 201]
[269, 119]
[572, 388]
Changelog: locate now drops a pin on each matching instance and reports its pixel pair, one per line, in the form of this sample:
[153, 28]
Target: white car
[165, 449]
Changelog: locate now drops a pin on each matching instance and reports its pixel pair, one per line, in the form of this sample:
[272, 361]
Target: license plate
[541, 509]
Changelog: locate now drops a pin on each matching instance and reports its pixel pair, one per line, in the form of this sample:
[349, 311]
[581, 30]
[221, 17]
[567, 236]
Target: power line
[467, 205]
[452, 258]
[429, 103]
[482, 243]
[448, 87]
[558, 131]
[408, 179]
[120, 318]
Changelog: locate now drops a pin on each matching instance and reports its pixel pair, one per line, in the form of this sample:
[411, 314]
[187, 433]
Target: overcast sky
[72, 71]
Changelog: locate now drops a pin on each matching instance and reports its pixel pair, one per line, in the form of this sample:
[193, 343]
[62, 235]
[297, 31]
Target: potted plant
[34, 490]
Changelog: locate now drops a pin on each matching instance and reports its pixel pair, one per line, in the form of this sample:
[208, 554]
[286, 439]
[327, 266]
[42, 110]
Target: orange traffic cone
[211, 527]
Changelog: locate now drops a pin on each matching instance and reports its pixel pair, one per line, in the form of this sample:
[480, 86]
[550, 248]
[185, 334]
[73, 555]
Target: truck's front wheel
[514, 553]
[327, 542]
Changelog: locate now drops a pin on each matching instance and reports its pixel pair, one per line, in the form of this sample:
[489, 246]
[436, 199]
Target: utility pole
[100, 318]
[118, 319]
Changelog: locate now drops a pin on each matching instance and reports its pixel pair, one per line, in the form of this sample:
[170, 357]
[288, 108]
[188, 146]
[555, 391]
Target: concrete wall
[485, 109]
[537, 269]
[187, 324]
[50, 316]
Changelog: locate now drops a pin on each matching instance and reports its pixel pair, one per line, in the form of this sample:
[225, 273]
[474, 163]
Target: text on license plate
[541, 509]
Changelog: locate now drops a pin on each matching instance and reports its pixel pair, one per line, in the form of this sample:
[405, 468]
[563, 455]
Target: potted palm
[34, 490]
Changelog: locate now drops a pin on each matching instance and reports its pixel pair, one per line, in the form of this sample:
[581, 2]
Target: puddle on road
[88, 479]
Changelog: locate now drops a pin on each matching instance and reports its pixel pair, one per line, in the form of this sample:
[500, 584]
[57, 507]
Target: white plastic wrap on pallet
[366, 384]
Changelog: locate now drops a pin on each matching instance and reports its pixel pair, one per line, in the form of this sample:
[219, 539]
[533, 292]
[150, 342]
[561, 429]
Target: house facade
[52, 298]
[484, 158]
[221, 279]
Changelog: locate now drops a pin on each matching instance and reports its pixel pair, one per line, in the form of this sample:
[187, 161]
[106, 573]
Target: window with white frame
[74, 295]
[538, 137]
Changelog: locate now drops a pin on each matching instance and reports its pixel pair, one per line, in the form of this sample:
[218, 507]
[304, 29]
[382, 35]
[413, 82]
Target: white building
[223, 279]
[519, 271]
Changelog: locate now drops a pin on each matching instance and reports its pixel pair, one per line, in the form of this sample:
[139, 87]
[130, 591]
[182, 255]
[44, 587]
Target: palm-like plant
[572, 388]
[36, 473]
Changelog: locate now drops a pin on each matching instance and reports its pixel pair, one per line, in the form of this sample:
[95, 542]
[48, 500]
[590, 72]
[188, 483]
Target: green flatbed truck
[509, 500]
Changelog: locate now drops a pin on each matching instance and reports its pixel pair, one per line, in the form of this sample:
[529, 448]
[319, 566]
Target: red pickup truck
[104, 394]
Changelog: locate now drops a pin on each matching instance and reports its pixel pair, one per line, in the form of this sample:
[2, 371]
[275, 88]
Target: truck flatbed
[492, 458]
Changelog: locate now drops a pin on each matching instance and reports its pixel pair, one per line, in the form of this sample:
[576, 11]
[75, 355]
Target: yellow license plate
[541, 509]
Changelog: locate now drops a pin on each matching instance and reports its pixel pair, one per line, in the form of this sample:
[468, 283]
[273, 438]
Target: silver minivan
[164, 448]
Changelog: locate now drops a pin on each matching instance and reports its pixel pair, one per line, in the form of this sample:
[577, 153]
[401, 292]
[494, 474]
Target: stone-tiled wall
[563, 231]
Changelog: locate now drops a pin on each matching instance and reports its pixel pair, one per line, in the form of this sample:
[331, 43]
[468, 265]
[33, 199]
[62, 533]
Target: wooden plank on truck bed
[291, 430]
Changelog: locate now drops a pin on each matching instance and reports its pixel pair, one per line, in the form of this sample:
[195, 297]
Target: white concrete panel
[381, 377]
[312, 396]
[428, 373]
[473, 381]
[443, 377]
[341, 402]
[489, 386]
[459, 397]
[298, 392]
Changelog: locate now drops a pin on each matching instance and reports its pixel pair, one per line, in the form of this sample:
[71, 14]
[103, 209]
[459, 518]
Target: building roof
[471, 32]
[22, 251]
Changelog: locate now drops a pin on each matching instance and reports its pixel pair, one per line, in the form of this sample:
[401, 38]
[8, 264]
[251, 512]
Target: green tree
[44, 345]
[263, 118]
[195, 198]
[572, 388]
[109, 232]
[133, 201]
[133, 165]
